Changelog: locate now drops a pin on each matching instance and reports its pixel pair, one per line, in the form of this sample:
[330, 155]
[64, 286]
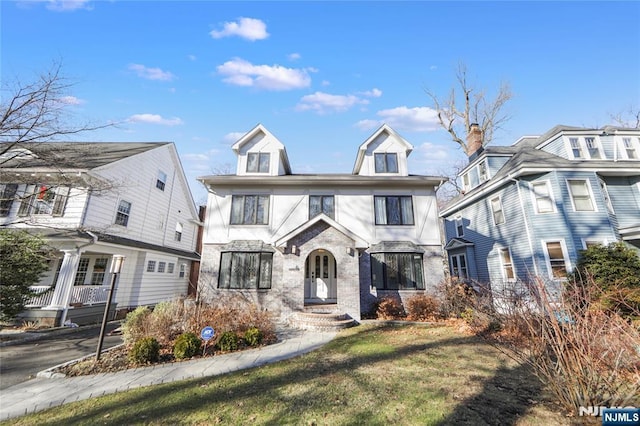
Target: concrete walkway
[41, 393]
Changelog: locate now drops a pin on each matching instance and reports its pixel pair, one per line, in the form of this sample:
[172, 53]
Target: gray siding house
[529, 209]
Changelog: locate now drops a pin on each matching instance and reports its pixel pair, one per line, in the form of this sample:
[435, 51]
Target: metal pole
[105, 317]
[116, 265]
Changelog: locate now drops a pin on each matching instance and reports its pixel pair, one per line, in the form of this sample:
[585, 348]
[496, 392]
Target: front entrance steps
[321, 318]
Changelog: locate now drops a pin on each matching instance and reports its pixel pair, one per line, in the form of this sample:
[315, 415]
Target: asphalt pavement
[24, 354]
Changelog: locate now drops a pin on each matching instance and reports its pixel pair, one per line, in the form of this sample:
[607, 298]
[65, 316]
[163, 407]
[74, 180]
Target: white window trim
[493, 215]
[603, 241]
[458, 256]
[466, 186]
[622, 151]
[547, 259]
[455, 222]
[486, 169]
[534, 199]
[593, 199]
[502, 266]
[583, 147]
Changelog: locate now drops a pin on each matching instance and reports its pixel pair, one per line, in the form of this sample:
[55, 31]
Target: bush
[228, 341]
[135, 325]
[422, 307]
[253, 336]
[457, 298]
[390, 308]
[186, 346]
[145, 351]
[586, 355]
[615, 270]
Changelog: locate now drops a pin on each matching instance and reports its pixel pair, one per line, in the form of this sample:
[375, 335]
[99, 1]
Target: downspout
[94, 239]
[526, 224]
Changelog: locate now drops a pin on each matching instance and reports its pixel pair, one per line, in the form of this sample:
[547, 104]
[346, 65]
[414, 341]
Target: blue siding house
[529, 209]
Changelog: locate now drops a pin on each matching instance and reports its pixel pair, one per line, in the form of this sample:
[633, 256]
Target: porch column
[64, 285]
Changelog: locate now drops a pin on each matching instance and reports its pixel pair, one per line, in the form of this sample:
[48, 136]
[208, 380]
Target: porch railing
[82, 294]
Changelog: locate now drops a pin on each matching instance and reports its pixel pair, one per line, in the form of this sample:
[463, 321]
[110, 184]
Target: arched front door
[320, 277]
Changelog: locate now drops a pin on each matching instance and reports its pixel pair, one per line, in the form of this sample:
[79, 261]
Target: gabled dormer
[383, 154]
[261, 154]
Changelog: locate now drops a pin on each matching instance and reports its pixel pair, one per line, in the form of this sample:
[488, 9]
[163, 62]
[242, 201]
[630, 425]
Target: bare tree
[37, 111]
[629, 119]
[466, 106]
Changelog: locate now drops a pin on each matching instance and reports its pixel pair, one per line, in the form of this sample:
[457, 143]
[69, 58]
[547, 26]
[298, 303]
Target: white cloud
[247, 28]
[239, 72]
[293, 56]
[68, 5]
[321, 102]
[71, 100]
[192, 57]
[155, 119]
[231, 138]
[418, 119]
[151, 73]
[373, 93]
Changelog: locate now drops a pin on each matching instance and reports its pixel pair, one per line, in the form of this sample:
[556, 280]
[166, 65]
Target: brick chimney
[474, 140]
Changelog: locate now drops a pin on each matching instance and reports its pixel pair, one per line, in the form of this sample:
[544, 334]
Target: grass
[368, 375]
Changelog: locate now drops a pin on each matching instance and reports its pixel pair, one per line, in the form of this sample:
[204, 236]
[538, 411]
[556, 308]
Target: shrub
[615, 271]
[586, 355]
[422, 307]
[253, 336]
[145, 351]
[390, 308]
[186, 346]
[228, 341]
[456, 298]
[135, 325]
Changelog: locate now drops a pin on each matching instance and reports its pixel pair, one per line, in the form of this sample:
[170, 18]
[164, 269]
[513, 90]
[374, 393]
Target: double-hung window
[393, 210]
[250, 210]
[542, 197]
[321, 204]
[482, 171]
[6, 199]
[81, 272]
[258, 162]
[593, 148]
[178, 234]
[397, 271]
[162, 266]
[99, 269]
[576, 148]
[580, 195]
[459, 226]
[630, 148]
[386, 162]
[245, 270]
[122, 215]
[496, 209]
[556, 260]
[151, 266]
[508, 272]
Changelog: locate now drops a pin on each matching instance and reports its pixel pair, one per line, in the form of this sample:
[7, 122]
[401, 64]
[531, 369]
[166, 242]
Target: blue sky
[322, 76]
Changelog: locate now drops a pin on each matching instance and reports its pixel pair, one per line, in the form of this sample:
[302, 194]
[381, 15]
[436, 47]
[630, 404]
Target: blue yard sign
[207, 333]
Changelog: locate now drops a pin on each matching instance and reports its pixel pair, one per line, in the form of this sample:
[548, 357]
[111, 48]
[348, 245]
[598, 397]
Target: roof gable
[359, 242]
[259, 139]
[384, 135]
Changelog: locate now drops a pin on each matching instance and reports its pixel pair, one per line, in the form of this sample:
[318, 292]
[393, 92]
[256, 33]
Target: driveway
[22, 361]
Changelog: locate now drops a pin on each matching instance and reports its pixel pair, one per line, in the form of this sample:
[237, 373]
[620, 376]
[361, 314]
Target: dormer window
[465, 182]
[592, 147]
[584, 148]
[258, 162]
[630, 146]
[482, 171]
[386, 162]
[576, 149]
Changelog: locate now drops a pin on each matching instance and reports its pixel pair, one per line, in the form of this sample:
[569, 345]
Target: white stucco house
[92, 201]
[294, 241]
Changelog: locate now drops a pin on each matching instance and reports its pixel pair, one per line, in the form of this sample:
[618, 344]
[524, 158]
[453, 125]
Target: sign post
[207, 334]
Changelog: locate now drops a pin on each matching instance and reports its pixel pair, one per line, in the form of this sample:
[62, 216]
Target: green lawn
[368, 375]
